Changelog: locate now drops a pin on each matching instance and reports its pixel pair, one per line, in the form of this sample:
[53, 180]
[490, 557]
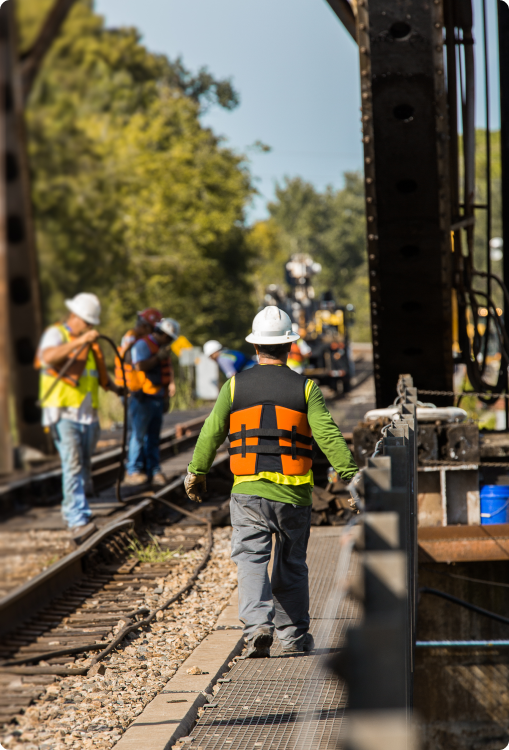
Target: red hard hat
[150, 316]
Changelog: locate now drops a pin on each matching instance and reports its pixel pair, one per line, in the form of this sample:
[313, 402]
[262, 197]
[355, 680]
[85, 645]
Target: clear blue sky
[296, 69]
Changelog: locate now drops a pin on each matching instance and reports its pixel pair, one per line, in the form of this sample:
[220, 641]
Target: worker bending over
[152, 385]
[271, 415]
[70, 402]
[230, 361]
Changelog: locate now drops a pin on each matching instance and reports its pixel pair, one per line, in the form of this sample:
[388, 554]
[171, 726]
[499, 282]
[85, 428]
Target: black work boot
[305, 643]
[258, 647]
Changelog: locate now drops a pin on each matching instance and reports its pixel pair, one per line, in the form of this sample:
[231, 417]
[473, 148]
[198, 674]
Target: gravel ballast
[94, 711]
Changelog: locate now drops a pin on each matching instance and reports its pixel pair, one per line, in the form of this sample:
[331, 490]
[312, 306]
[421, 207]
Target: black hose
[462, 603]
[118, 486]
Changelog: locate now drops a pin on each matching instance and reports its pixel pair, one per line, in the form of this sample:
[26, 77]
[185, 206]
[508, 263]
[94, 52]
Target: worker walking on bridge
[72, 369]
[271, 416]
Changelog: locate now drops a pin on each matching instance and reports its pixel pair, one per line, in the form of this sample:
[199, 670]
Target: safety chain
[464, 393]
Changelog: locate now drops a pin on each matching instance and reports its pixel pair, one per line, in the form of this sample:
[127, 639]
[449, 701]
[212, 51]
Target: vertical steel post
[5, 370]
[405, 135]
[503, 48]
[23, 283]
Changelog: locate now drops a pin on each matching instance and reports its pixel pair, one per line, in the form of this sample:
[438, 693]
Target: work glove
[195, 485]
[163, 353]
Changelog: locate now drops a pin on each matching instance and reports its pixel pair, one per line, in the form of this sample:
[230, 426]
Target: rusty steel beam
[6, 464]
[22, 272]
[447, 544]
[405, 135]
[33, 59]
[344, 12]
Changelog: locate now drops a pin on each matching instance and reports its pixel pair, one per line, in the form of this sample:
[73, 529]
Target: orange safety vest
[269, 427]
[295, 353]
[75, 371]
[131, 375]
[152, 381]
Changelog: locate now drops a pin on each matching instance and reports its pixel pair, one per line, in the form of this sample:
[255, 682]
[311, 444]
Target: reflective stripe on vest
[64, 395]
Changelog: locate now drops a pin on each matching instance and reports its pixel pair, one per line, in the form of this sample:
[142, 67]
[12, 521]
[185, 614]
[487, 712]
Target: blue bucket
[494, 504]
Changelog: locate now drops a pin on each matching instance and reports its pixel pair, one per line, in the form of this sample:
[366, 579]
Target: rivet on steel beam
[366, 139]
[372, 257]
[373, 288]
[363, 50]
[369, 180]
[440, 72]
[372, 237]
[438, 26]
[371, 218]
[369, 199]
[362, 26]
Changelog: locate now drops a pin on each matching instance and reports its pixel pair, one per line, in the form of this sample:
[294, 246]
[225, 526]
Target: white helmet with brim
[272, 326]
[211, 347]
[86, 306]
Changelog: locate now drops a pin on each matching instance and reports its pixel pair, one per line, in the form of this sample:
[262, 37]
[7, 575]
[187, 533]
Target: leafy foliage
[329, 226]
[134, 199]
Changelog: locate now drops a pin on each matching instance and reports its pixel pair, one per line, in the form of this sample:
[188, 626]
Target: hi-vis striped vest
[269, 428]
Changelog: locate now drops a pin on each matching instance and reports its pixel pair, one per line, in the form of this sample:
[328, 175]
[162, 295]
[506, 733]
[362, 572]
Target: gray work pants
[283, 602]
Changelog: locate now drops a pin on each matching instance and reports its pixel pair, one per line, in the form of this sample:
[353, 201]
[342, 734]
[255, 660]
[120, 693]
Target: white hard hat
[169, 326]
[211, 347]
[272, 326]
[85, 306]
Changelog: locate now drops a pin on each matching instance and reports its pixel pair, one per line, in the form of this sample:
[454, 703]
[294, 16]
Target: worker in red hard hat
[145, 322]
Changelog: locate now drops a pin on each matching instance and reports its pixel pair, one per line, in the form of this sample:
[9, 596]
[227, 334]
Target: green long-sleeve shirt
[325, 432]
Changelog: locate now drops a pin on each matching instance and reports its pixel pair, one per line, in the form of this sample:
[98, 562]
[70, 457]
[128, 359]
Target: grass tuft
[151, 552]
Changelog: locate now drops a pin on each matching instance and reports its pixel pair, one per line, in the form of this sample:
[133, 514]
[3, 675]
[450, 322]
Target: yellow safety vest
[65, 395]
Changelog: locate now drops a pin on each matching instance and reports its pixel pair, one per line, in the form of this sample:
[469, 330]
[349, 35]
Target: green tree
[134, 199]
[330, 226]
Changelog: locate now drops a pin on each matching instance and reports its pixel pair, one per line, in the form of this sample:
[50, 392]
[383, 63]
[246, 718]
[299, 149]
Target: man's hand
[163, 353]
[195, 485]
[87, 338]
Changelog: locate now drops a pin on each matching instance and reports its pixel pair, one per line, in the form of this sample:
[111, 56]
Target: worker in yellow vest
[70, 401]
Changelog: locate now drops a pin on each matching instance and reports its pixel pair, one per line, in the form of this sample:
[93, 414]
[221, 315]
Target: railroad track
[63, 622]
[32, 532]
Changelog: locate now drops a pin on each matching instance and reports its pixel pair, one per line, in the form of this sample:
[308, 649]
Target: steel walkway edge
[289, 702]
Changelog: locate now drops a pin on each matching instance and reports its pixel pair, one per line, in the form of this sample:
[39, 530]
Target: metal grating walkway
[288, 702]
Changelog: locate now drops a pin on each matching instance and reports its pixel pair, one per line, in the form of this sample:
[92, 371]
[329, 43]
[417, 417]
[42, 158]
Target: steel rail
[149, 615]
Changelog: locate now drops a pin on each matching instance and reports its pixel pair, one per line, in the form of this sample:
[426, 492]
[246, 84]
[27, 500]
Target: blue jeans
[76, 444]
[146, 416]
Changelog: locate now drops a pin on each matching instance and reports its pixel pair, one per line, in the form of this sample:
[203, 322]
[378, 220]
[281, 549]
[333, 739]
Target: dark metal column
[5, 370]
[23, 285]
[407, 192]
[503, 46]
